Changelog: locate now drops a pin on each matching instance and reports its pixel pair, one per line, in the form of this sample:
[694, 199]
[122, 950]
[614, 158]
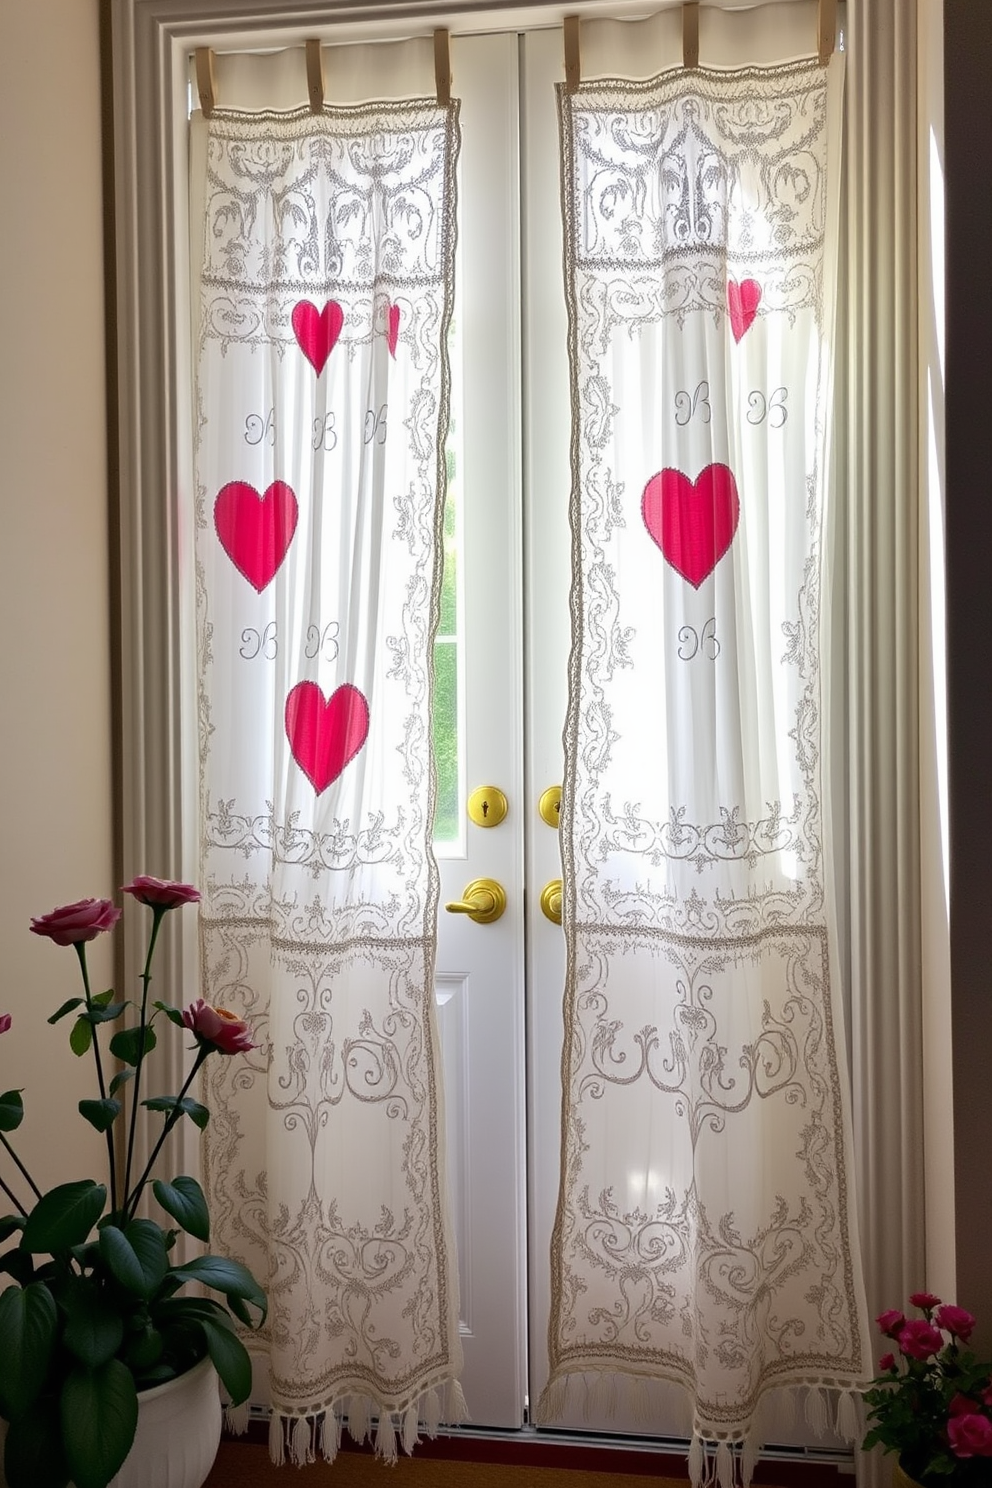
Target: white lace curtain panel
[324, 267]
[705, 1231]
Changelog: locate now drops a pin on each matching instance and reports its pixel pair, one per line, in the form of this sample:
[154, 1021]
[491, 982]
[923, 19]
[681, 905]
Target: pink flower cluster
[969, 1430]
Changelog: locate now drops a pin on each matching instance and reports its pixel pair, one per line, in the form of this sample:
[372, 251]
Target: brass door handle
[484, 901]
[551, 900]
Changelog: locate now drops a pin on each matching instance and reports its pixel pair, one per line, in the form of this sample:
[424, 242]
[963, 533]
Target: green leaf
[100, 1113]
[99, 1413]
[104, 1014]
[81, 1037]
[226, 1276]
[19, 1265]
[11, 1110]
[93, 1329]
[121, 1078]
[128, 1045]
[63, 1217]
[198, 1114]
[28, 1327]
[67, 1007]
[136, 1255]
[230, 1359]
[183, 1200]
[33, 1456]
[103, 999]
[173, 1014]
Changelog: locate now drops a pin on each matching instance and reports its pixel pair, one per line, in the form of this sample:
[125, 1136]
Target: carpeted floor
[247, 1465]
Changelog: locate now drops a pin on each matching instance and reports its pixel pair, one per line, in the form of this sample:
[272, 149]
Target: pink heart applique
[742, 301]
[255, 531]
[325, 734]
[392, 328]
[317, 331]
[693, 522]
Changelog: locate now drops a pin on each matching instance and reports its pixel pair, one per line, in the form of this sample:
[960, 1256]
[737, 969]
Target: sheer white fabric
[706, 1231]
[325, 276]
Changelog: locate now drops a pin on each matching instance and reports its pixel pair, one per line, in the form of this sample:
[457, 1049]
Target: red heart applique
[255, 531]
[742, 301]
[392, 328]
[693, 522]
[325, 734]
[317, 331]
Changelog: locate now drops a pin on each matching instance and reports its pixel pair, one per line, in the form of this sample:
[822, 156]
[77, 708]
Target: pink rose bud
[5, 1022]
[918, 1339]
[886, 1363]
[958, 1322]
[925, 1300]
[222, 1030]
[970, 1436]
[890, 1322]
[160, 893]
[77, 922]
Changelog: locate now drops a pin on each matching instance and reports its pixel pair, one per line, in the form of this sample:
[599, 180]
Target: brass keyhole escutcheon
[484, 900]
[549, 806]
[487, 806]
[551, 900]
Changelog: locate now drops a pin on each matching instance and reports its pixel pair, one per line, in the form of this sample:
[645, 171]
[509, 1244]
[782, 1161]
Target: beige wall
[55, 837]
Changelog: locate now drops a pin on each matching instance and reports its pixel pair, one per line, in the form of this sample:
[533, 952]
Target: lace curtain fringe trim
[715, 1460]
[302, 1439]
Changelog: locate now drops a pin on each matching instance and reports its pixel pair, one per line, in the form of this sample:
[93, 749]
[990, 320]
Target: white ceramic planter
[178, 1433]
[177, 1437]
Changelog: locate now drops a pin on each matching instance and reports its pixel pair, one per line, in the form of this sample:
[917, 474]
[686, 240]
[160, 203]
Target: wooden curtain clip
[315, 77]
[206, 82]
[826, 30]
[442, 68]
[573, 67]
[690, 34]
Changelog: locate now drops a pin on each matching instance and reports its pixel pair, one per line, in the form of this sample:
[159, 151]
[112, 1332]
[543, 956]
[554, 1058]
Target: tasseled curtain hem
[302, 1439]
[714, 1459]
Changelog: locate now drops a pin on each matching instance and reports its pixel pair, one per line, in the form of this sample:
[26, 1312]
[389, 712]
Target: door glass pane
[448, 651]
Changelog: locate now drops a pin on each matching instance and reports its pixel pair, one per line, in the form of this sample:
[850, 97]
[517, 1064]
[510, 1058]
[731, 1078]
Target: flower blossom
[74, 923]
[958, 1322]
[970, 1435]
[924, 1300]
[886, 1363]
[160, 893]
[891, 1321]
[918, 1339]
[218, 1028]
[5, 1022]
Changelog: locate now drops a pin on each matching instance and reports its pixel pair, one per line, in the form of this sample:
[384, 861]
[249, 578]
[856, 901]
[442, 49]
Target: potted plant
[92, 1321]
[932, 1399]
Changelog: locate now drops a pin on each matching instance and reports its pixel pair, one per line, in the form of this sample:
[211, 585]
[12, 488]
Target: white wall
[55, 801]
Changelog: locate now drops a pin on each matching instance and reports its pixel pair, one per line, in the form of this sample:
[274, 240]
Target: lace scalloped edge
[300, 1437]
[717, 1458]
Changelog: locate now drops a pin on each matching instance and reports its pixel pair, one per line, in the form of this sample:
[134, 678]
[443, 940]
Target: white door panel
[480, 970]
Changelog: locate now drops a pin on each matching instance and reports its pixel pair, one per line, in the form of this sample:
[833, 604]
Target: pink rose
[918, 1339]
[160, 893]
[890, 1322]
[970, 1436]
[219, 1028]
[987, 1394]
[926, 1300]
[955, 1320]
[5, 1022]
[886, 1362]
[77, 922]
